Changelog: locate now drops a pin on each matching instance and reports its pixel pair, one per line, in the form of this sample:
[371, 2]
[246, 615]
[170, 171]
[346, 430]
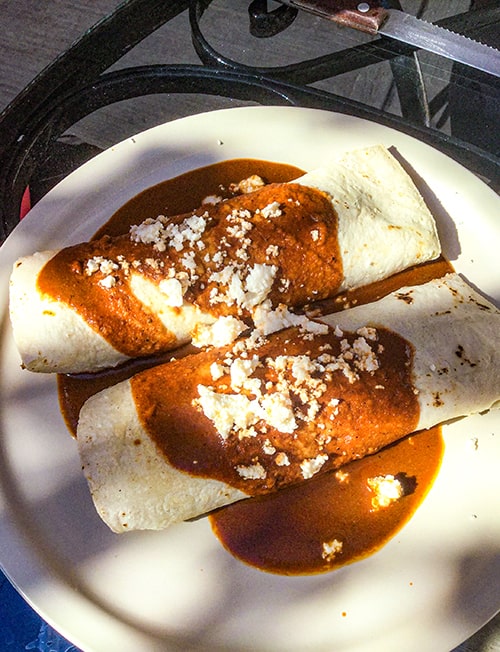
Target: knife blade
[373, 18]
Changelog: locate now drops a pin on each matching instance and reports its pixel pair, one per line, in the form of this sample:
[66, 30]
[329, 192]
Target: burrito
[200, 277]
[186, 437]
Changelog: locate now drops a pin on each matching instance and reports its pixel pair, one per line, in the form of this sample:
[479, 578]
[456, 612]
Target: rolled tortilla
[452, 331]
[165, 298]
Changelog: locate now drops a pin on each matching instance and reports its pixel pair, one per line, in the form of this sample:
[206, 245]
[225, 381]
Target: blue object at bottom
[22, 629]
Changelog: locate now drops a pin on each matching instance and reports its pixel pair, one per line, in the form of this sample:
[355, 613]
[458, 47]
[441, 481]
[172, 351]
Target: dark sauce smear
[328, 521]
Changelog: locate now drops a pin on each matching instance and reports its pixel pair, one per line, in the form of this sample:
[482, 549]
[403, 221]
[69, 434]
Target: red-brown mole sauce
[96, 279]
[329, 520]
[341, 411]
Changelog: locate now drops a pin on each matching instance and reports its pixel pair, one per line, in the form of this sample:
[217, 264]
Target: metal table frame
[76, 84]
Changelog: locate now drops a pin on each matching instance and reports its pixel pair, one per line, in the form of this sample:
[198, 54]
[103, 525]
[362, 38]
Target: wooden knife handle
[364, 16]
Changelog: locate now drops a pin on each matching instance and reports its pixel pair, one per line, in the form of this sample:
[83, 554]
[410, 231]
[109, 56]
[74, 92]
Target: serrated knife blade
[373, 18]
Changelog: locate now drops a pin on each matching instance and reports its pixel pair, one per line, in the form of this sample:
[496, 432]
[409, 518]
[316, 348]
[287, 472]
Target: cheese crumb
[366, 359]
[100, 264]
[244, 292]
[278, 411]
[252, 472]
[311, 466]
[331, 549]
[258, 283]
[242, 369]
[341, 476]
[250, 184]
[222, 332]
[272, 250]
[211, 199]
[387, 489]
[108, 282]
[162, 233]
[271, 210]
[268, 447]
[267, 321]
[368, 332]
[281, 459]
[217, 370]
[227, 411]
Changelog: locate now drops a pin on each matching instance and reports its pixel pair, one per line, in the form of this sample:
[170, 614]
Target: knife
[373, 18]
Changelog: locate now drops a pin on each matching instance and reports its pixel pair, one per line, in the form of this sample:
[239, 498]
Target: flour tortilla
[384, 227]
[455, 333]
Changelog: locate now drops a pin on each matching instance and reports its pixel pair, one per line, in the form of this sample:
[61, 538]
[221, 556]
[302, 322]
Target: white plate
[430, 588]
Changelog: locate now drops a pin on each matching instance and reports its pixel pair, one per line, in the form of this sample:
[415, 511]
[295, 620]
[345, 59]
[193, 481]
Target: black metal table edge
[35, 120]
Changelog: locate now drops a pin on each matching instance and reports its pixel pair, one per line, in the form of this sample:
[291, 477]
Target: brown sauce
[75, 389]
[284, 532]
[374, 410]
[186, 192]
[280, 532]
[94, 278]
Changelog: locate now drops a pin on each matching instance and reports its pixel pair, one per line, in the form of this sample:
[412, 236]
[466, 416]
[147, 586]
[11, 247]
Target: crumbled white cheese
[108, 282]
[227, 411]
[368, 332]
[311, 466]
[302, 368]
[271, 210]
[242, 254]
[278, 411]
[155, 264]
[267, 321]
[252, 472]
[281, 459]
[188, 262]
[387, 489]
[246, 292]
[211, 199]
[284, 284]
[242, 369]
[100, 264]
[268, 448]
[366, 359]
[259, 283]
[236, 411]
[331, 549]
[222, 332]
[334, 403]
[148, 232]
[250, 184]
[272, 250]
[239, 224]
[217, 370]
[162, 233]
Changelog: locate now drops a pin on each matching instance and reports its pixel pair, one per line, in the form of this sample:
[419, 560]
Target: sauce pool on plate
[333, 519]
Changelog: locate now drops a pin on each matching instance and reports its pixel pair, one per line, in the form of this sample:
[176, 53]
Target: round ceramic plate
[430, 587]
